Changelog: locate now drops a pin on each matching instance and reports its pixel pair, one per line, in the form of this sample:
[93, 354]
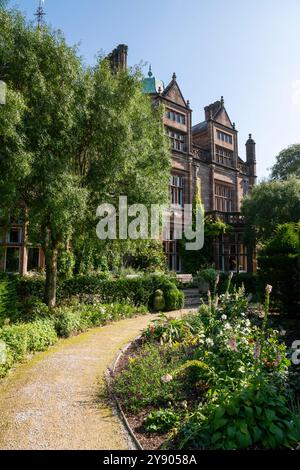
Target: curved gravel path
[53, 400]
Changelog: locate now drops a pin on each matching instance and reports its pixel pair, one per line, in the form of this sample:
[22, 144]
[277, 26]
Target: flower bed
[218, 379]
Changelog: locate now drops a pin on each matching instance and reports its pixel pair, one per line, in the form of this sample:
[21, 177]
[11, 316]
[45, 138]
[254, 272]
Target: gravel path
[53, 400]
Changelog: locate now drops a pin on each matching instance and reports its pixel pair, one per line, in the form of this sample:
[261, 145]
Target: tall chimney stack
[118, 58]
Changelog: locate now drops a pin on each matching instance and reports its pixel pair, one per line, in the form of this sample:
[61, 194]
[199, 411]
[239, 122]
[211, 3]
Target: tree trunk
[51, 256]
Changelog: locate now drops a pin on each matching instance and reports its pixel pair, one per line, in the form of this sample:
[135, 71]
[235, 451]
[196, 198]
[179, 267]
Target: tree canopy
[88, 136]
[287, 163]
[271, 204]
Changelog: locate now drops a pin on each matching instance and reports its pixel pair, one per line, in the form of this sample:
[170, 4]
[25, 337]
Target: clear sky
[246, 50]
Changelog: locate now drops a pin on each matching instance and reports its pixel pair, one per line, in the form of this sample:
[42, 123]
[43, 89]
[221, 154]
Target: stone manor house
[208, 151]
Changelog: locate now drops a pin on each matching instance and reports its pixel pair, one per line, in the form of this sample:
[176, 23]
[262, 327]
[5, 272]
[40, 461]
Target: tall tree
[287, 163]
[270, 204]
[92, 137]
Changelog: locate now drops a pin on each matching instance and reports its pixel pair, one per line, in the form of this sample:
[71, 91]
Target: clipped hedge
[138, 291]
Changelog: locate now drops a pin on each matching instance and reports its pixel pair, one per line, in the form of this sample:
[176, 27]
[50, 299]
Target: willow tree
[121, 150]
[41, 68]
[91, 135]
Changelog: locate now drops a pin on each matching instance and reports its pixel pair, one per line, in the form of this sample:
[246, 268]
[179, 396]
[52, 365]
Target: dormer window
[224, 137]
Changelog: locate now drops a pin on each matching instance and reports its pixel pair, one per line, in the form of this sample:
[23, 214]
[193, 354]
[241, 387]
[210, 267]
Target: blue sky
[248, 51]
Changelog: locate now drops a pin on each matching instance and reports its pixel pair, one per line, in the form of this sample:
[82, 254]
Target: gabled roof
[216, 109]
[213, 109]
[173, 92]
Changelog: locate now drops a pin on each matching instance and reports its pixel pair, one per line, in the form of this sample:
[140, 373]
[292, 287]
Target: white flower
[227, 326]
[224, 317]
[209, 342]
[242, 314]
[247, 323]
[282, 332]
[268, 289]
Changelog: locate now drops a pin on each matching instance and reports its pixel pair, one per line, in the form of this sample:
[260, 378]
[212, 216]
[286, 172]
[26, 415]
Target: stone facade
[208, 151]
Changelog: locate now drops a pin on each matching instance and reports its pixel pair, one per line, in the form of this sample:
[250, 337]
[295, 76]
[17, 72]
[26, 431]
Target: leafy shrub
[208, 275]
[194, 371]
[230, 372]
[250, 281]
[28, 337]
[71, 320]
[159, 301]
[41, 335]
[67, 322]
[9, 303]
[257, 416]
[174, 299]
[279, 264]
[167, 330]
[161, 421]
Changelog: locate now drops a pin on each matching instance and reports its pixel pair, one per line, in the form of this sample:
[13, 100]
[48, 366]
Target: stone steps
[192, 298]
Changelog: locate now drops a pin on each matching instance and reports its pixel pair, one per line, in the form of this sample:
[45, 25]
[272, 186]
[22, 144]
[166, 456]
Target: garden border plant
[21, 339]
[232, 365]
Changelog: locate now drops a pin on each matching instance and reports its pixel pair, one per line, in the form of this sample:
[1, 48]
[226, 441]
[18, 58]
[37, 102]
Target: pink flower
[257, 350]
[167, 378]
[232, 344]
[268, 289]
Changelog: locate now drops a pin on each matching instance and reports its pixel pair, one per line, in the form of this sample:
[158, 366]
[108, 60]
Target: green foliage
[193, 261]
[270, 204]
[161, 421]
[71, 320]
[279, 263]
[45, 326]
[159, 301]
[22, 339]
[209, 276]
[194, 371]
[66, 264]
[223, 375]
[89, 133]
[251, 283]
[167, 330]
[257, 416]
[67, 322]
[9, 304]
[287, 163]
[138, 290]
[141, 385]
[174, 298]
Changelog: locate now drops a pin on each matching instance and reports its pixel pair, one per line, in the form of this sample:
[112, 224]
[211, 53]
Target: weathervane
[40, 13]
